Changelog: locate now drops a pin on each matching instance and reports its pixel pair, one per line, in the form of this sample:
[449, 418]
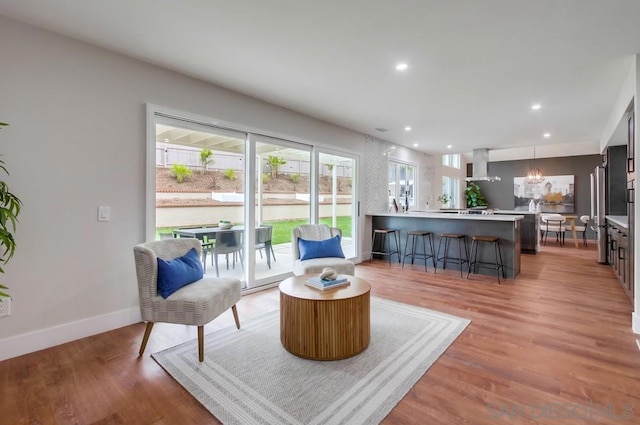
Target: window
[451, 160]
[402, 184]
[451, 186]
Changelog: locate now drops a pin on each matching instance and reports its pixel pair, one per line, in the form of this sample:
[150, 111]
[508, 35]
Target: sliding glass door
[337, 206]
[282, 201]
[201, 177]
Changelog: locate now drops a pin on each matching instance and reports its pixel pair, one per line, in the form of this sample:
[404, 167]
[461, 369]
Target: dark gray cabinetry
[529, 231]
[616, 180]
[628, 252]
[619, 256]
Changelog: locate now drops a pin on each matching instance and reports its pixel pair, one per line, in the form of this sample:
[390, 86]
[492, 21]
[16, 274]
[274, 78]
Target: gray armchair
[317, 232]
[195, 304]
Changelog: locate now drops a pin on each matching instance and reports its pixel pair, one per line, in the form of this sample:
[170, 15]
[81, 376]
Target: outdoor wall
[200, 216]
[77, 140]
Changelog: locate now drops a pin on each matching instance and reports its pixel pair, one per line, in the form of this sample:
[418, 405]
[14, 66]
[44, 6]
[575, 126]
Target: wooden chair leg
[145, 338]
[235, 316]
[201, 343]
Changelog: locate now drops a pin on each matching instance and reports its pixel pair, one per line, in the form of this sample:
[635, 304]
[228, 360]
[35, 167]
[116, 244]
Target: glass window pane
[199, 184]
[337, 207]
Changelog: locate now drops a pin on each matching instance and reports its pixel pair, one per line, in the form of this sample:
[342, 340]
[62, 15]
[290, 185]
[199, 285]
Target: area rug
[247, 377]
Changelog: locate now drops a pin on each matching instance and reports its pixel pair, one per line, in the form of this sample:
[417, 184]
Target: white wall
[76, 141]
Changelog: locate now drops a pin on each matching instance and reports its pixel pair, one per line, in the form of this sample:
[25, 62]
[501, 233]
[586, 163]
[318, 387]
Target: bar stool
[413, 254]
[447, 237]
[498, 255]
[384, 233]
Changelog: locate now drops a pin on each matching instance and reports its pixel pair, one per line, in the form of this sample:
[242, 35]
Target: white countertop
[498, 211]
[620, 220]
[453, 216]
[515, 212]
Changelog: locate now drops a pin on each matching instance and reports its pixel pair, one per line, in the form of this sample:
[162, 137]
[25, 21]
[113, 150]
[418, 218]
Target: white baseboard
[635, 323]
[44, 338]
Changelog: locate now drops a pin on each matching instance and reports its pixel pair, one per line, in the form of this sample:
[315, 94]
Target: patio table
[210, 234]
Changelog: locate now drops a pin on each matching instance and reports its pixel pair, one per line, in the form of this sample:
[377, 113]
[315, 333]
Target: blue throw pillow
[179, 272]
[320, 249]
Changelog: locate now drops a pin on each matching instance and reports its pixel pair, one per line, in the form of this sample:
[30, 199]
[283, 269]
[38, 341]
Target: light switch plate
[5, 306]
[104, 213]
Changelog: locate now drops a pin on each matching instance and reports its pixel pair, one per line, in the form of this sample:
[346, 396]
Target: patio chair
[196, 303]
[263, 241]
[227, 242]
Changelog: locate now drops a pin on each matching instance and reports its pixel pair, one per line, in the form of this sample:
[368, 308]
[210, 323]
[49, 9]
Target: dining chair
[582, 228]
[553, 223]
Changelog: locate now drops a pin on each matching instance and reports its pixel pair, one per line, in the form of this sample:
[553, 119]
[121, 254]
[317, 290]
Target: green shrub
[181, 172]
[230, 173]
[295, 178]
[275, 162]
[265, 178]
[206, 159]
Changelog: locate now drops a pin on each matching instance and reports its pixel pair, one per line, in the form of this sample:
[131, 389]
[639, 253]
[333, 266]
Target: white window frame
[396, 162]
[452, 160]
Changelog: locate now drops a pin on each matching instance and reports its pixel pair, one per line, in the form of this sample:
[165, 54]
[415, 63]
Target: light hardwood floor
[552, 347]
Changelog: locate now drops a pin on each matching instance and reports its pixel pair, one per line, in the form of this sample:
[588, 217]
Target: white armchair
[317, 232]
[195, 304]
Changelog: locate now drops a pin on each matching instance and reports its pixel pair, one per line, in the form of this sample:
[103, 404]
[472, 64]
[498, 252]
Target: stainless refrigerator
[598, 202]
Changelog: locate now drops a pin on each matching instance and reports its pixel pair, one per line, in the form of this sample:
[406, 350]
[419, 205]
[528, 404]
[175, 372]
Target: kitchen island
[505, 227]
[529, 229]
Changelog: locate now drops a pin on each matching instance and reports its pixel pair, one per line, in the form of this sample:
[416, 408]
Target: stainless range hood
[480, 159]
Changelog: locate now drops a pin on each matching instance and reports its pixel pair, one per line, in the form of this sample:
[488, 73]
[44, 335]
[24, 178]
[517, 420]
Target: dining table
[208, 234]
[572, 223]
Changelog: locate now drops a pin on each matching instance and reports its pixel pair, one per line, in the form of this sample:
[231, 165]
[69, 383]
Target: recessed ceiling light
[393, 147]
[536, 106]
[449, 146]
[402, 66]
[407, 128]
[415, 145]
[546, 135]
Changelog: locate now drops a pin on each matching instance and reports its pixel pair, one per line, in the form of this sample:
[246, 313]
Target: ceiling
[474, 67]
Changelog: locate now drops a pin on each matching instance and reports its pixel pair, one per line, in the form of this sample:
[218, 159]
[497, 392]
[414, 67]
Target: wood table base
[325, 329]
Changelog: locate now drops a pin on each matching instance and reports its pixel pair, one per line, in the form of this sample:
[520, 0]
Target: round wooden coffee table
[324, 325]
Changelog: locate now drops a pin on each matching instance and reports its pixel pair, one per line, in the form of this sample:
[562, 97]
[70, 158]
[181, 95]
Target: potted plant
[473, 196]
[10, 206]
[444, 199]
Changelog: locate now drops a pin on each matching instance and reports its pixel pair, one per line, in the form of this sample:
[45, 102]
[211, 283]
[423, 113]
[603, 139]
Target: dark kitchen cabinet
[616, 180]
[619, 256]
[629, 251]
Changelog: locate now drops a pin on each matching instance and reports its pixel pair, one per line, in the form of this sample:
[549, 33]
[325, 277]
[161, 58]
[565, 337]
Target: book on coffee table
[323, 284]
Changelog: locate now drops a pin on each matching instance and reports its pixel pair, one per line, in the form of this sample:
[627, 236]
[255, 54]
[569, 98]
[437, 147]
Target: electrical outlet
[5, 306]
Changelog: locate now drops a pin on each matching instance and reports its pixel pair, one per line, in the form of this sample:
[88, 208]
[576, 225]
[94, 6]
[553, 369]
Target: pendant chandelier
[534, 176]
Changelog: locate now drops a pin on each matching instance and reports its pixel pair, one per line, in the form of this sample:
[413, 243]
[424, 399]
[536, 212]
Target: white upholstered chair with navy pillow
[172, 288]
[316, 246]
